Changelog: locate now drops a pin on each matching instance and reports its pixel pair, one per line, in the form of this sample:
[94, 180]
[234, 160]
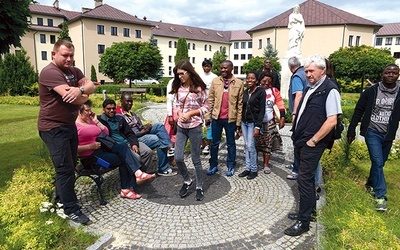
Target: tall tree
[152, 40]
[17, 75]
[270, 51]
[181, 50]
[218, 58]
[131, 60]
[64, 35]
[13, 15]
[93, 75]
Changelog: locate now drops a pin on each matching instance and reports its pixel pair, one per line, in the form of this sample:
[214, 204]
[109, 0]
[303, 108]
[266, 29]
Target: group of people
[69, 127]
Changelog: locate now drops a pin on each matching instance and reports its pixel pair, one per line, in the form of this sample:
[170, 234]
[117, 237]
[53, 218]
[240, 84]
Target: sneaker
[171, 152]
[79, 217]
[230, 172]
[184, 190]
[292, 176]
[289, 166]
[206, 150]
[380, 204]
[244, 173]
[252, 175]
[199, 194]
[168, 172]
[212, 171]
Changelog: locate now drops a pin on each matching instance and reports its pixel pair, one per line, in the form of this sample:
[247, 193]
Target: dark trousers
[62, 143]
[308, 158]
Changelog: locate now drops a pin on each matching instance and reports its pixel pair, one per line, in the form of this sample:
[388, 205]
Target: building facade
[388, 37]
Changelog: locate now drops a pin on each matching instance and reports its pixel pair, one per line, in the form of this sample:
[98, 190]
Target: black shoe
[244, 173]
[297, 229]
[252, 175]
[199, 194]
[79, 217]
[293, 216]
[184, 190]
[317, 196]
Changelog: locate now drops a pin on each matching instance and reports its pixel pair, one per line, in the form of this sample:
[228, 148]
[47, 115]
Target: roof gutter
[344, 32]
[83, 48]
[34, 49]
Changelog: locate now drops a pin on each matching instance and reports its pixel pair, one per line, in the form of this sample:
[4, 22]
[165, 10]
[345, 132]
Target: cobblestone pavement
[236, 213]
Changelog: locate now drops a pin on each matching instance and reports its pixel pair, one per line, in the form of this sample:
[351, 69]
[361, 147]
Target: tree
[181, 50]
[217, 59]
[355, 63]
[152, 40]
[64, 35]
[14, 15]
[17, 75]
[256, 63]
[270, 52]
[131, 60]
[93, 75]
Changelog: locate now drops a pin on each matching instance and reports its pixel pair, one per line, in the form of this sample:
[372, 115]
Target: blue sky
[232, 14]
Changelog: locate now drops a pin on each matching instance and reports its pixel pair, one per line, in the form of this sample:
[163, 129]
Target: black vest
[314, 115]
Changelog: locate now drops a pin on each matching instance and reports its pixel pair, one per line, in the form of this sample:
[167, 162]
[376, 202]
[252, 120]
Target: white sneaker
[171, 152]
[206, 150]
[292, 176]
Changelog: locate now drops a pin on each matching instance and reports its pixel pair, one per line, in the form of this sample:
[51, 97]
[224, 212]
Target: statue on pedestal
[296, 31]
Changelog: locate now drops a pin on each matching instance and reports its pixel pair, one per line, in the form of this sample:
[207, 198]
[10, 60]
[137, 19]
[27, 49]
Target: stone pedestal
[286, 75]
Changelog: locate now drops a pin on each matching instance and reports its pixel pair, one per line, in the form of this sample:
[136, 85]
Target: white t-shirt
[207, 79]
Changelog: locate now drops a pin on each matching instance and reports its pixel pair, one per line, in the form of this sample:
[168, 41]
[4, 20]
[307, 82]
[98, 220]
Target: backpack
[336, 132]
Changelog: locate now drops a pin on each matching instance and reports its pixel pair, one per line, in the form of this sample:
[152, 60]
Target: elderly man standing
[316, 116]
[378, 110]
[226, 99]
[62, 88]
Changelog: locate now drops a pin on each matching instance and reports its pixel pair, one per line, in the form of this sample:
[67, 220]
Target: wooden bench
[141, 91]
[94, 172]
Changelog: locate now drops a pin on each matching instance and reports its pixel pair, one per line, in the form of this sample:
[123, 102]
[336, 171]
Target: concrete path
[236, 213]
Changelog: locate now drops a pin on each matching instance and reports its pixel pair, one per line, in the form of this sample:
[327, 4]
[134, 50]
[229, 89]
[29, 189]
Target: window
[100, 29]
[205, 47]
[193, 46]
[259, 44]
[250, 45]
[397, 41]
[358, 38]
[127, 32]
[40, 21]
[44, 55]
[175, 44]
[236, 57]
[193, 60]
[243, 45]
[351, 40]
[396, 54]
[378, 41]
[169, 70]
[188, 45]
[169, 58]
[170, 44]
[50, 22]
[243, 57]
[241, 70]
[249, 56]
[99, 69]
[101, 48]
[268, 40]
[52, 39]
[155, 41]
[236, 45]
[388, 41]
[42, 38]
[235, 70]
[138, 33]
[209, 47]
[114, 31]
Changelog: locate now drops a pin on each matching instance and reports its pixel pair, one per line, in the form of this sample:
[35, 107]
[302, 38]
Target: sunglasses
[181, 73]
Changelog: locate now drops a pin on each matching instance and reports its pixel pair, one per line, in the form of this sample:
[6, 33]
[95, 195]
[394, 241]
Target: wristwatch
[314, 141]
[82, 89]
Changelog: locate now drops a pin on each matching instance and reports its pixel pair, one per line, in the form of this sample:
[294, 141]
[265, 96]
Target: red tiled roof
[239, 35]
[44, 9]
[189, 32]
[316, 14]
[389, 29]
[107, 12]
[44, 28]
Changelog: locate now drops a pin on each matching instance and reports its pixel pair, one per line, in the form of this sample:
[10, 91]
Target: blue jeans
[194, 135]
[216, 128]
[379, 150]
[251, 154]
[158, 138]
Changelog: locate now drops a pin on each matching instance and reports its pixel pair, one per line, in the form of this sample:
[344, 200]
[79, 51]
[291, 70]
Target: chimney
[145, 18]
[56, 4]
[98, 3]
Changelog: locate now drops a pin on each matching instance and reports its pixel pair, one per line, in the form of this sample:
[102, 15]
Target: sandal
[267, 170]
[144, 177]
[130, 194]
